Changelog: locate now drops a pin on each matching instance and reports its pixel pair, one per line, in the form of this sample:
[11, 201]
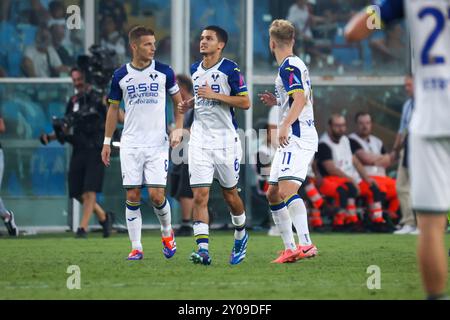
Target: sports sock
[376, 210]
[351, 207]
[283, 221]
[297, 212]
[134, 224]
[239, 225]
[314, 195]
[201, 234]
[164, 216]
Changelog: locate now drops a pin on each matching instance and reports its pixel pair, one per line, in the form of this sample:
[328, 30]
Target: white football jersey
[293, 76]
[144, 95]
[214, 125]
[429, 25]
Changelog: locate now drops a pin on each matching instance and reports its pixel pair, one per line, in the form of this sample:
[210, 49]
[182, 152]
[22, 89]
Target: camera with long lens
[98, 67]
[86, 120]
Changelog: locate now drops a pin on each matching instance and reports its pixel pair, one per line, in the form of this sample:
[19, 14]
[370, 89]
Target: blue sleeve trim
[194, 67]
[171, 83]
[115, 94]
[235, 78]
[291, 77]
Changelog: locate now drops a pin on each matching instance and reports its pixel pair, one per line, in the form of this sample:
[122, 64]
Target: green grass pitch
[35, 267]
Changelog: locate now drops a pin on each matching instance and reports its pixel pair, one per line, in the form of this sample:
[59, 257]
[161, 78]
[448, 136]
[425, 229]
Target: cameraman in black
[83, 127]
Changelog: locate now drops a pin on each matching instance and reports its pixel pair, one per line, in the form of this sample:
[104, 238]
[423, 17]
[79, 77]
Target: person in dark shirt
[86, 116]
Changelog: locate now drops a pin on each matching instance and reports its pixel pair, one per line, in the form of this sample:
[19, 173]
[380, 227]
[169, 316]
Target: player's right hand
[106, 153]
[268, 98]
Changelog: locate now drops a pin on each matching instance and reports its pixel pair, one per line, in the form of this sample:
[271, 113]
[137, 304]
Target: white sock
[165, 218]
[239, 225]
[283, 221]
[134, 224]
[201, 234]
[297, 211]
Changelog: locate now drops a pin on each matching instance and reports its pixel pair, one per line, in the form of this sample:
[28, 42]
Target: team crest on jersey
[153, 76]
[215, 76]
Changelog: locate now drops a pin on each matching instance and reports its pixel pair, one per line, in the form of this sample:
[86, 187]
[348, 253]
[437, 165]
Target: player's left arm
[291, 76]
[240, 100]
[177, 134]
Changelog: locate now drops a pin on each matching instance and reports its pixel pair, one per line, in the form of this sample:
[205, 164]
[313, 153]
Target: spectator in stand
[114, 9]
[300, 16]
[73, 40]
[112, 39]
[41, 59]
[58, 33]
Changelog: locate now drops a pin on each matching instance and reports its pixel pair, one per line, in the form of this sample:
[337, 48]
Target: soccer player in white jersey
[429, 140]
[298, 140]
[144, 147]
[214, 147]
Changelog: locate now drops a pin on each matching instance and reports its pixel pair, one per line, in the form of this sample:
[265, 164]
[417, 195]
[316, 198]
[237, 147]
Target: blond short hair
[282, 31]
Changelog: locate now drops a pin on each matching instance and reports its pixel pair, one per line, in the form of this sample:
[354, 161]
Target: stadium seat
[27, 34]
[48, 170]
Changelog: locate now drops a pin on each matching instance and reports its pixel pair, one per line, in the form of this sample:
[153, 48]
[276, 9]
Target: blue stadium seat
[26, 113]
[56, 109]
[27, 34]
[48, 170]
[343, 52]
[13, 185]
[14, 63]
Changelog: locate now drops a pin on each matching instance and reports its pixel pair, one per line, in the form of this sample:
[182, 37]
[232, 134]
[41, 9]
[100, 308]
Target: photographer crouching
[83, 127]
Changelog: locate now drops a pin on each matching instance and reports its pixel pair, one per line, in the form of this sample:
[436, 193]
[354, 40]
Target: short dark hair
[334, 116]
[76, 69]
[222, 35]
[139, 31]
[56, 5]
[361, 114]
[185, 81]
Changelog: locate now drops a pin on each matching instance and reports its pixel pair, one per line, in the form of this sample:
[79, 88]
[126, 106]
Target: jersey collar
[284, 60]
[145, 68]
[218, 63]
